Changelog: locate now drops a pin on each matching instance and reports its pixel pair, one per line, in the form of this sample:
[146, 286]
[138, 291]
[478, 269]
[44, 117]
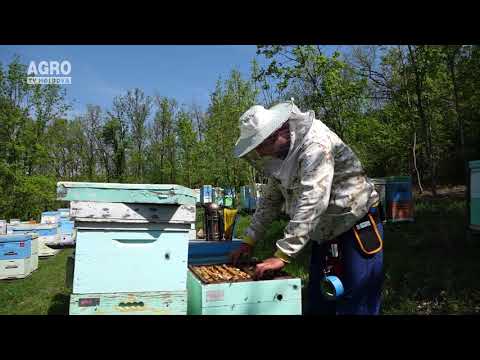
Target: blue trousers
[362, 279]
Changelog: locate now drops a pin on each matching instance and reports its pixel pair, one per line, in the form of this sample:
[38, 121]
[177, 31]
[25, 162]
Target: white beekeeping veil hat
[258, 123]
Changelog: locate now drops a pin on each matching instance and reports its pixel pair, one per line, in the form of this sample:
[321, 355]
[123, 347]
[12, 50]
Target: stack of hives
[18, 255]
[131, 247]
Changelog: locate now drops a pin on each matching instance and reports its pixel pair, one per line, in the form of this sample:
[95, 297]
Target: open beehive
[224, 289]
[220, 273]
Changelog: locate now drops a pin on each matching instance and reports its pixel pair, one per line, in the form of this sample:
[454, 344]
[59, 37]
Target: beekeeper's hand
[272, 264]
[244, 250]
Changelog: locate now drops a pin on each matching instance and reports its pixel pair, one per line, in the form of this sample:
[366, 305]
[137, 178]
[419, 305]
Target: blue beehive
[135, 236]
[47, 234]
[207, 194]
[399, 198]
[66, 231]
[66, 227]
[18, 255]
[143, 258]
[15, 246]
[39, 229]
[50, 217]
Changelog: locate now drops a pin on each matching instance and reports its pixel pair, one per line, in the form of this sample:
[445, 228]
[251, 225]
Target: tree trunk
[415, 161]
[425, 123]
[461, 126]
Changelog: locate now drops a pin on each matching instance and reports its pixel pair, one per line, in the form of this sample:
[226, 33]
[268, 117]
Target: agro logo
[50, 71]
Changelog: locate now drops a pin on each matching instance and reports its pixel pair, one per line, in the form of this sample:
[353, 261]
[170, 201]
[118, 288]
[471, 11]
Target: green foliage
[29, 124]
[380, 100]
[26, 197]
[228, 102]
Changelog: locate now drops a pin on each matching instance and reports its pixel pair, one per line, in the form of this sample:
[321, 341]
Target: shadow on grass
[59, 305]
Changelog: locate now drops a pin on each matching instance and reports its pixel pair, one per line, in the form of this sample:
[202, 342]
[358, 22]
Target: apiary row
[55, 228]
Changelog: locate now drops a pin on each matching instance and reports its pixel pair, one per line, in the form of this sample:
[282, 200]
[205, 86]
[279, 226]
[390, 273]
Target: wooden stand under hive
[224, 289]
[135, 236]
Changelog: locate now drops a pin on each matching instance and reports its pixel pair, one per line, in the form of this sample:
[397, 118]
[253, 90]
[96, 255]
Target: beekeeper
[329, 200]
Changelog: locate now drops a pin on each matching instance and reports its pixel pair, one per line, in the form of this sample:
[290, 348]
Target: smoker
[213, 222]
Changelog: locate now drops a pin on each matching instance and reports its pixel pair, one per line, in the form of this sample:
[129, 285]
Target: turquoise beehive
[130, 258]
[475, 195]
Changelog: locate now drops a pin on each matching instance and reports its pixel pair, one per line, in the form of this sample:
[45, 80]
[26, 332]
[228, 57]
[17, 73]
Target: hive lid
[16, 237]
[51, 213]
[126, 193]
[33, 227]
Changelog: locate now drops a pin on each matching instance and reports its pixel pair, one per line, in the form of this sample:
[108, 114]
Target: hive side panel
[194, 291]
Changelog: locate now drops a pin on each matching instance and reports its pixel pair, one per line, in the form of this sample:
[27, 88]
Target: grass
[42, 293]
[429, 267]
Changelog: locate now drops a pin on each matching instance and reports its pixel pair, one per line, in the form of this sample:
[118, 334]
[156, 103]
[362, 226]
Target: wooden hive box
[143, 303]
[47, 234]
[15, 246]
[132, 213]
[126, 193]
[18, 255]
[147, 303]
[66, 227]
[130, 257]
[15, 269]
[264, 297]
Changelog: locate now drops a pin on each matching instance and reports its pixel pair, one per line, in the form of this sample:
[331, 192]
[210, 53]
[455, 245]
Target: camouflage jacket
[322, 186]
